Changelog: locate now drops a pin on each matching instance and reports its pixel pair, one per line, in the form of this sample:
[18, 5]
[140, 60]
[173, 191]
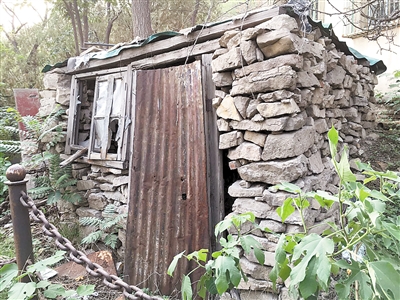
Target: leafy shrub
[392, 97]
[222, 271]
[363, 248]
[10, 277]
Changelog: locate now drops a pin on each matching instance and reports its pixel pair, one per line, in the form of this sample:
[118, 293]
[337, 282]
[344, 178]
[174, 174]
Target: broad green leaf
[362, 193]
[53, 291]
[187, 293]
[311, 246]
[378, 195]
[259, 254]
[248, 242]
[343, 168]
[393, 230]
[222, 226]
[325, 199]
[85, 290]
[7, 273]
[238, 220]
[172, 265]
[286, 209]
[43, 284]
[211, 287]
[201, 286]
[43, 264]
[22, 291]
[200, 255]
[280, 254]
[226, 272]
[333, 136]
[356, 274]
[308, 287]
[385, 279]
[288, 187]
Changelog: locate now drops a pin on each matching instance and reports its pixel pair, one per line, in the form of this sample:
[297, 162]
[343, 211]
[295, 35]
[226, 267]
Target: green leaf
[200, 255]
[54, 290]
[43, 284]
[226, 272]
[248, 242]
[43, 264]
[222, 226]
[22, 291]
[286, 209]
[186, 290]
[357, 273]
[259, 254]
[308, 287]
[385, 279]
[7, 274]
[85, 290]
[333, 136]
[311, 246]
[288, 187]
[343, 168]
[172, 266]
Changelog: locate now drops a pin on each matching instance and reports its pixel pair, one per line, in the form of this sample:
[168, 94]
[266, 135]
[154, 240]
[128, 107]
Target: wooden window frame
[100, 155]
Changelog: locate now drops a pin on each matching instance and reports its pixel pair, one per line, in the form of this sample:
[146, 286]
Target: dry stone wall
[278, 93]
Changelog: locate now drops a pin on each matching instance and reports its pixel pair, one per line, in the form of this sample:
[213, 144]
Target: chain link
[111, 281]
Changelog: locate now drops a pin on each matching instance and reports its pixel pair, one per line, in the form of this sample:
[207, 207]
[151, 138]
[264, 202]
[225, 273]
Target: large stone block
[241, 104]
[246, 150]
[274, 172]
[255, 137]
[293, 60]
[273, 226]
[289, 43]
[316, 165]
[228, 61]
[63, 96]
[275, 96]
[230, 139]
[296, 122]
[255, 270]
[306, 80]
[273, 124]
[259, 209]
[289, 144]
[237, 191]
[222, 79]
[263, 81]
[274, 109]
[336, 76]
[249, 53]
[227, 109]
[97, 201]
[282, 21]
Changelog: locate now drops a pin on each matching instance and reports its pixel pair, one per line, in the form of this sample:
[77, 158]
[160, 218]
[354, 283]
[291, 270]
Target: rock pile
[278, 93]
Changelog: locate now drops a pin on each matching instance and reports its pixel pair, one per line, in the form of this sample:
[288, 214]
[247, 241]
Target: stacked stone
[278, 93]
[103, 186]
[57, 86]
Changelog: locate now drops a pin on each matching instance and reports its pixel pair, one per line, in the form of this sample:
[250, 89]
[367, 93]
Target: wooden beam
[128, 55]
[73, 157]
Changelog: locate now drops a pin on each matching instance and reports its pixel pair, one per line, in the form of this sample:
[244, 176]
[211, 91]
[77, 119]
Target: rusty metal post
[20, 217]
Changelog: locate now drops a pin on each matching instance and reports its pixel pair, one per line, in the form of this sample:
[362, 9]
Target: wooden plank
[71, 117]
[104, 163]
[73, 157]
[176, 56]
[215, 181]
[101, 72]
[128, 55]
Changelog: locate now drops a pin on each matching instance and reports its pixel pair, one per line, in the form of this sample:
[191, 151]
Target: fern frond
[111, 240]
[93, 237]
[53, 197]
[72, 197]
[110, 209]
[40, 192]
[10, 146]
[90, 221]
[110, 222]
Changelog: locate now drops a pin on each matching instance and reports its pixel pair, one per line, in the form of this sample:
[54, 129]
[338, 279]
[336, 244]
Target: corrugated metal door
[168, 209]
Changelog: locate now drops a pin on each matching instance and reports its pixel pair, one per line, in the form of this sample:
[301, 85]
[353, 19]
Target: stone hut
[182, 130]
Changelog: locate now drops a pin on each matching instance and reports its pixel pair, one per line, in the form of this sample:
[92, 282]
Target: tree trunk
[70, 12]
[79, 24]
[141, 18]
[195, 12]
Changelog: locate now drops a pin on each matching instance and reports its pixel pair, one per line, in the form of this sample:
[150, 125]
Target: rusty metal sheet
[168, 209]
[27, 103]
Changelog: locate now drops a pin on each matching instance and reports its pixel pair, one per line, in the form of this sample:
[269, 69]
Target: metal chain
[113, 282]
